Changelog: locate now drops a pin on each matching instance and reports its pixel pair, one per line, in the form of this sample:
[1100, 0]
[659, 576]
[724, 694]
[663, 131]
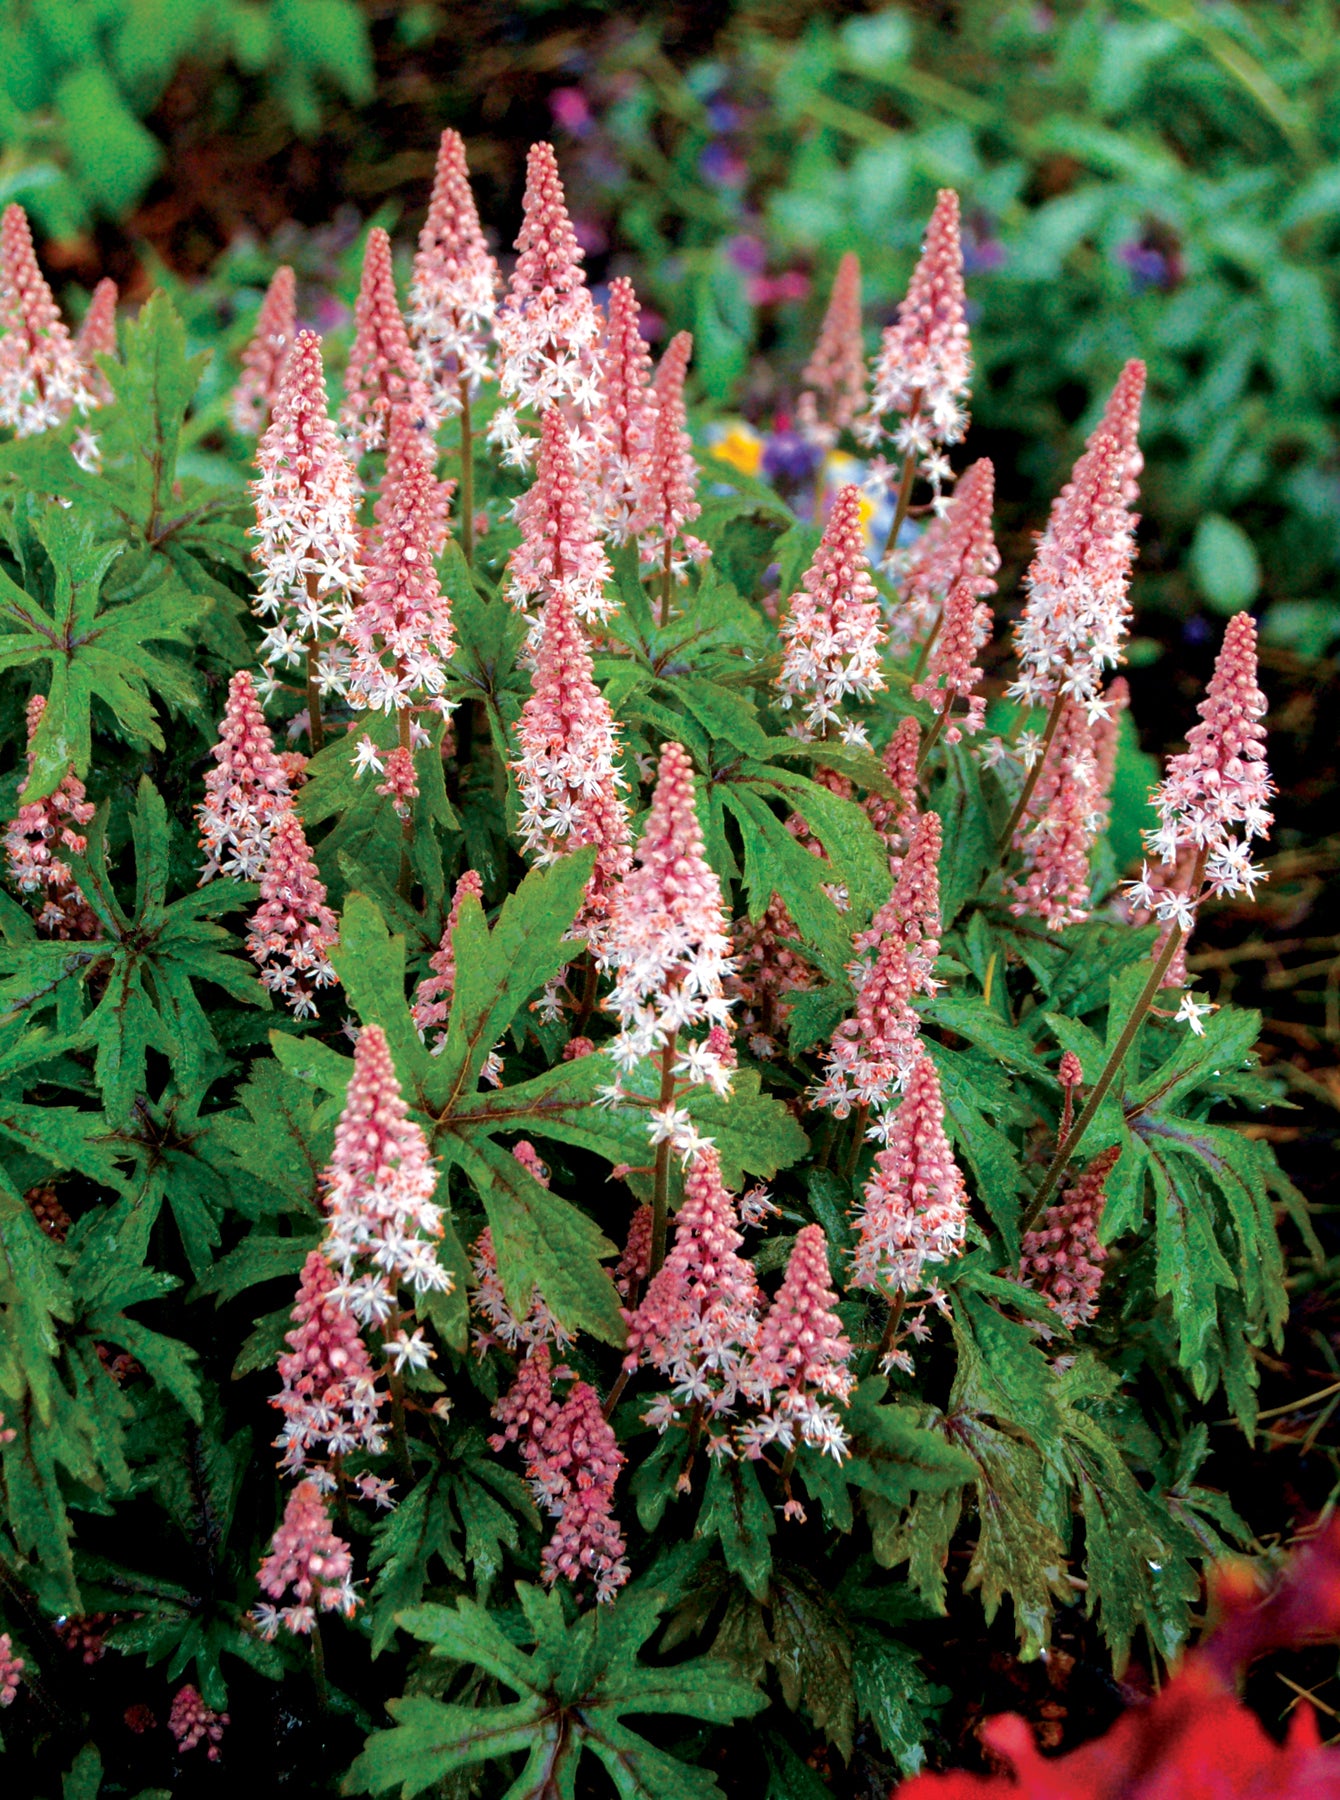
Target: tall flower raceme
[956, 550]
[453, 296]
[894, 817]
[1106, 735]
[330, 1400]
[912, 910]
[97, 337]
[953, 671]
[40, 836]
[293, 930]
[432, 998]
[768, 968]
[400, 632]
[799, 1363]
[924, 367]
[914, 1208]
[669, 499]
[698, 1320]
[567, 770]
[560, 549]
[43, 379]
[191, 1722]
[1077, 611]
[383, 1226]
[1056, 836]
[308, 1562]
[501, 1325]
[627, 416]
[1212, 801]
[307, 534]
[834, 377]
[1062, 1257]
[245, 791]
[834, 630]
[669, 946]
[581, 1460]
[267, 350]
[382, 371]
[547, 327]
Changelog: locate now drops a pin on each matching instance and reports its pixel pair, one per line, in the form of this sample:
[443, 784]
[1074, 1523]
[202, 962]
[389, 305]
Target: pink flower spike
[401, 786]
[453, 294]
[528, 1408]
[895, 820]
[42, 827]
[631, 1269]
[293, 930]
[191, 1722]
[307, 1558]
[957, 548]
[308, 539]
[567, 772]
[432, 997]
[1077, 612]
[800, 1360]
[245, 792]
[833, 632]
[912, 910]
[378, 1191]
[871, 1053]
[400, 632]
[582, 1463]
[1212, 801]
[547, 327]
[560, 548]
[767, 969]
[697, 1322]
[1106, 732]
[1062, 1258]
[538, 1326]
[1057, 834]
[263, 359]
[953, 671]
[834, 377]
[381, 371]
[409, 445]
[329, 1398]
[915, 1207]
[627, 410]
[42, 379]
[669, 937]
[97, 337]
[924, 367]
[670, 483]
[11, 1670]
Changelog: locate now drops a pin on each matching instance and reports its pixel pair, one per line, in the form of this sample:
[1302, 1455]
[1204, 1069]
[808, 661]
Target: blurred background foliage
[1152, 177]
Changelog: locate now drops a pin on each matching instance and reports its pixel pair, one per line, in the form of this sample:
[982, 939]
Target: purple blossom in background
[723, 116]
[572, 111]
[747, 252]
[983, 252]
[721, 164]
[1154, 259]
[776, 290]
[789, 460]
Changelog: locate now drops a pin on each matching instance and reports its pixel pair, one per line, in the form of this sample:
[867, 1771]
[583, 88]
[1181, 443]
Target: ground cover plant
[592, 1143]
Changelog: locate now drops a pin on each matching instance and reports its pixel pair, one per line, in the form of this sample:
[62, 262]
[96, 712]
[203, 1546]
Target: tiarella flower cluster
[957, 549]
[11, 1670]
[329, 1400]
[697, 1322]
[627, 417]
[432, 998]
[799, 1363]
[560, 550]
[1077, 612]
[833, 632]
[382, 372]
[453, 296]
[97, 337]
[501, 1325]
[547, 327]
[245, 791]
[952, 671]
[669, 947]
[1060, 826]
[894, 816]
[668, 499]
[39, 837]
[924, 368]
[768, 967]
[307, 533]
[43, 379]
[1062, 1257]
[914, 1208]
[1212, 801]
[293, 930]
[191, 1722]
[383, 1227]
[834, 377]
[264, 357]
[400, 632]
[308, 1562]
[871, 1053]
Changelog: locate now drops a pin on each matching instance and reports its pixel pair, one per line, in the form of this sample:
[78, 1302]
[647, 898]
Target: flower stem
[467, 497]
[319, 1667]
[616, 1392]
[399, 1434]
[933, 735]
[667, 582]
[590, 983]
[1066, 1149]
[891, 1325]
[660, 1203]
[406, 881]
[316, 730]
[904, 488]
[1021, 804]
[858, 1139]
